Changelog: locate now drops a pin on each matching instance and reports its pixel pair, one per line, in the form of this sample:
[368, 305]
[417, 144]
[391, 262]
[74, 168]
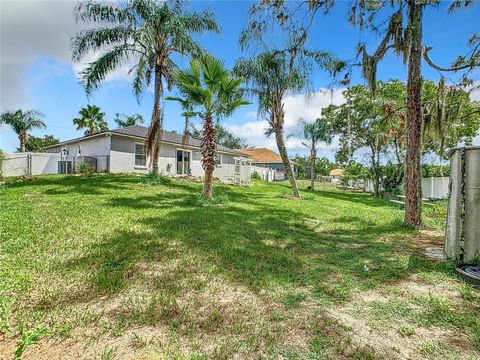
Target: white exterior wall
[122, 155]
[98, 147]
[122, 159]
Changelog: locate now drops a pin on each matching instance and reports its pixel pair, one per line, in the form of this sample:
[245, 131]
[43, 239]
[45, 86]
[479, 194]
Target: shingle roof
[262, 155]
[168, 136]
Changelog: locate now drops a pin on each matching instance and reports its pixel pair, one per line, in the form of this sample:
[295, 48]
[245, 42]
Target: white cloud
[475, 92]
[300, 107]
[30, 30]
[297, 108]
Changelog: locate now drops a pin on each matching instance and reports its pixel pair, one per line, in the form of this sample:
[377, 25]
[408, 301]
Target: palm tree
[213, 92]
[315, 132]
[91, 118]
[271, 77]
[187, 113]
[146, 32]
[22, 122]
[123, 120]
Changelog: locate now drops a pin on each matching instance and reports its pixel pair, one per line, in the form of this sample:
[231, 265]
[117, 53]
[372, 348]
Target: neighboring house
[335, 175]
[123, 150]
[266, 158]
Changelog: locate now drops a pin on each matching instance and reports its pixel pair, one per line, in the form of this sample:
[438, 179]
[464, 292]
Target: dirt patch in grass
[390, 321]
[428, 238]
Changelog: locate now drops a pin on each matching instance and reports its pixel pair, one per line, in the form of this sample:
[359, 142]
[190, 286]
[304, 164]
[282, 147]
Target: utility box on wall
[462, 234]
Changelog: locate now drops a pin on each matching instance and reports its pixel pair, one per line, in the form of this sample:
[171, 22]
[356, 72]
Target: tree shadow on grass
[248, 241]
[88, 185]
[256, 248]
[95, 184]
[357, 198]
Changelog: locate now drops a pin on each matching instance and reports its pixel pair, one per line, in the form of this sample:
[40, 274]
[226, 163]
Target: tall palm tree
[315, 132]
[123, 120]
[91, 118]
[270, 77]
[22, 122]
[213, 93]
[146, 32]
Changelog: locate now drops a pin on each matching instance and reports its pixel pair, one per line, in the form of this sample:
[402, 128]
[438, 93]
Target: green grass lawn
[116, 266]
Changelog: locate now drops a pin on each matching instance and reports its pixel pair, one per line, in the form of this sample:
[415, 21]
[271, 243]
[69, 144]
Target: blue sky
[37, 71]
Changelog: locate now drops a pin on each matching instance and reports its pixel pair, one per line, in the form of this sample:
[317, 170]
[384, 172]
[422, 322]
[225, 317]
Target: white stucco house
[123, 151]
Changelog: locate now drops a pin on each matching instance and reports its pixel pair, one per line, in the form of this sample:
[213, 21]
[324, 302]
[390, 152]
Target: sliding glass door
[183, 162]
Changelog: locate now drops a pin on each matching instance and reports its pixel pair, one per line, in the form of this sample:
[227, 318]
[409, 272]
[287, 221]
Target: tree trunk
[312, 164]
[413, 190]
[286, 161]
[23, 140]
[376, 182]
[155, 132]
[209, 150]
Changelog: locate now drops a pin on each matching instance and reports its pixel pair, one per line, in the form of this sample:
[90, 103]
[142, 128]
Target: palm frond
[101, 12]
[98, 39]
[98, 70]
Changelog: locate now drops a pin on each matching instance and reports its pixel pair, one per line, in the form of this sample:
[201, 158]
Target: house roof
[262, 155]
[141, 132]
[336, 172]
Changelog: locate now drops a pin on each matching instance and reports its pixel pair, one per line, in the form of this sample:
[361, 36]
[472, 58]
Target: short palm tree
[123, 120]
[315, 132]
[91, 118]
[22, 122]
[146, 32]
[213, 93]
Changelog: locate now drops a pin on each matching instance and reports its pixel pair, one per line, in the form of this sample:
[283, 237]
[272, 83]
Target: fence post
[29, 164]
[431, 187]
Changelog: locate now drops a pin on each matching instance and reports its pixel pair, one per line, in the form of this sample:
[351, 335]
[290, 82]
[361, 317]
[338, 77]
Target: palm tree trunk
[185, 132]
[312, 164]
[413, 190]
[209, 150]
[23, 139]
[155, 132]
[286, 161]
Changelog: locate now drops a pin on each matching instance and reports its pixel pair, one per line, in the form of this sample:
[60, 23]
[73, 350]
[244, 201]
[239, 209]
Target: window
[140, 156]
[183, 162]
[79, 150]
[218, 160]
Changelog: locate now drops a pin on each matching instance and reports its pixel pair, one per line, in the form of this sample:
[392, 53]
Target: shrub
[430, 170]
[85, 168]
[198, 200]
[154, 179]
[392, 178]
[256, 175]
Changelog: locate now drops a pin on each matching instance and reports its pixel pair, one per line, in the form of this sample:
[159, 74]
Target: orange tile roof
[262, 155]
[336, 172]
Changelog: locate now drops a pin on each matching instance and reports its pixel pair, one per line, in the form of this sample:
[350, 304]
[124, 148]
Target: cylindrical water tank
[462, 235]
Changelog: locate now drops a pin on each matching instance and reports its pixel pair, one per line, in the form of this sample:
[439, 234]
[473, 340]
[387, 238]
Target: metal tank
[462, 235]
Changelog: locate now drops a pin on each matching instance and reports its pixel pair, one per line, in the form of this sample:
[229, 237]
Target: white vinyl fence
[28, 164]
[432, 188]
[266, 174]
[435, 187]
